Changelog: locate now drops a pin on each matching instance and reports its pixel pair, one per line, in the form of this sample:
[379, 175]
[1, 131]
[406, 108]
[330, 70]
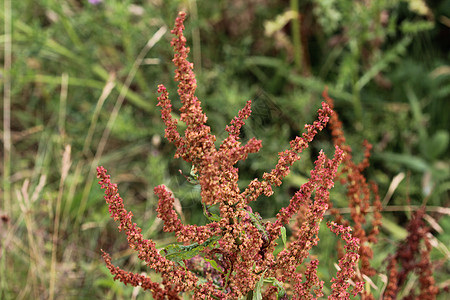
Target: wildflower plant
[232, 256]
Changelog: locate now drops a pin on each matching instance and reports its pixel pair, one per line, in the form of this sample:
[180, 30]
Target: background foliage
[82, 77]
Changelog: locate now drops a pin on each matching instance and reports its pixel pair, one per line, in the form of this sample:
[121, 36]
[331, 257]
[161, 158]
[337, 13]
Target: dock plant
[233, 256]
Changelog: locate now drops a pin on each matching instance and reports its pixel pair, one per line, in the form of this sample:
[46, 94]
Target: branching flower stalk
[232, 256]
[359, 193]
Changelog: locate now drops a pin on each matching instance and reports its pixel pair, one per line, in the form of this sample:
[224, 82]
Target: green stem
[7, 144]
[296, 36]
[355, 49]
[357, 103]
[196, 40]
[249, 295]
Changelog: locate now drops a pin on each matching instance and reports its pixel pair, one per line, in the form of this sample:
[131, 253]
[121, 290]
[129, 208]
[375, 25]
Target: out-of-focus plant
[427, 155]
[350, 45]
[412, 256]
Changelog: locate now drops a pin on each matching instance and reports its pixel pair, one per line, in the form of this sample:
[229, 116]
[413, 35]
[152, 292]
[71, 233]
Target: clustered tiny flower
[237, 241]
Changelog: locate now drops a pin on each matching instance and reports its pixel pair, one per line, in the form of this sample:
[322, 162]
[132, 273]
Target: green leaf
[390, 56]
[209, 215]
[437, 144]
[177, 253]
[295, 179]
[412, 162]
[416, 112]
[256, 220]
[408, 27]
[193, 177]
[214, 264]
[283, 235]
[214, 218]
[104, 283]
[193, 174]
[257, 291]
[273, 281]
[397, 231]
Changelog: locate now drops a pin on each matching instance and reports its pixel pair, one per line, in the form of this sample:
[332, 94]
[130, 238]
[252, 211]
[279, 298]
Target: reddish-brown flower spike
[347, 264]
[302, 290]
[171, 124]
[197, 140]
[184, 233]
[139, 280]
[146, 248]
[321, 175]
[289, 259]
[287, 158]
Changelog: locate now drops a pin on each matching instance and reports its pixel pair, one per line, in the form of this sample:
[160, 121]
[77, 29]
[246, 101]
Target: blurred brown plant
[413, 257]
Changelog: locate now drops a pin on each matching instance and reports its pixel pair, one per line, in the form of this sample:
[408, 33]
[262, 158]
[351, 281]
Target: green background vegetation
[82, 80]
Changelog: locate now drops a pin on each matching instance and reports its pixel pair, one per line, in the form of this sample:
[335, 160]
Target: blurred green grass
[82, 79]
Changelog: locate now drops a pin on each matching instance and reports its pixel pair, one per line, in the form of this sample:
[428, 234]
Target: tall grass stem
[6, 130]
[196, 39]
[107, 89]
[64, 172]
[7, 108]
[113, 116]
[298, 53]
